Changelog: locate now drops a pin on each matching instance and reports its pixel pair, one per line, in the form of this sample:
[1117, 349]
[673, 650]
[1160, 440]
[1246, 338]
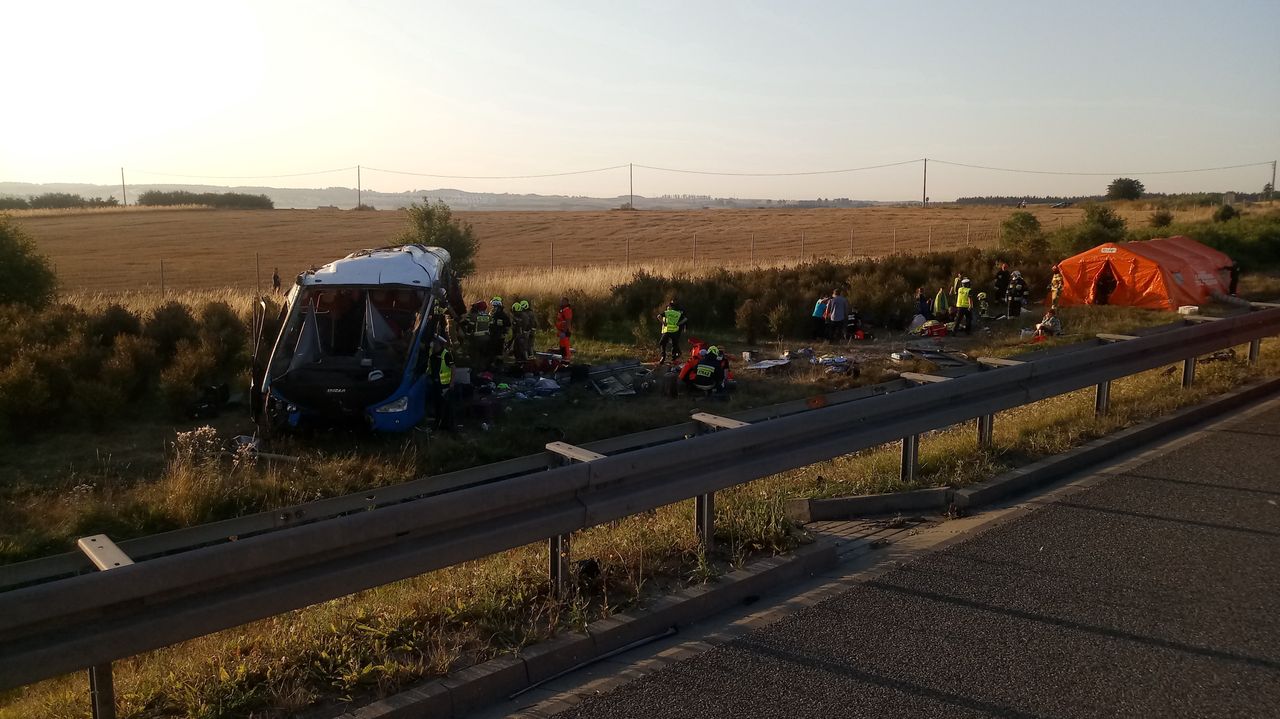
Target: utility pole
[1273, 181]
[924, 187]
[358, 188]
[124, 196]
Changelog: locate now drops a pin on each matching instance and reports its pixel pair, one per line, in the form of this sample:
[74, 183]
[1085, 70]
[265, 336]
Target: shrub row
[62, 366]
[54, 201]
[221, 200]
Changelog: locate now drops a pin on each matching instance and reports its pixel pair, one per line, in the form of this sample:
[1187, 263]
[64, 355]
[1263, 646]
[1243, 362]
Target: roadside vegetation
[146, 356]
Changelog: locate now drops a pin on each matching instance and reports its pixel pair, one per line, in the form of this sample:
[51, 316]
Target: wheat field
[115, 252]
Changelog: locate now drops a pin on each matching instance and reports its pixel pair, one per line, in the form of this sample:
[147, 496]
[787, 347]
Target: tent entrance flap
[1104, 284]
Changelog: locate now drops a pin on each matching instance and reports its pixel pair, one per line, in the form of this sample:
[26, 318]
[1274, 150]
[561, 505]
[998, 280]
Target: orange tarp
[1163, 273]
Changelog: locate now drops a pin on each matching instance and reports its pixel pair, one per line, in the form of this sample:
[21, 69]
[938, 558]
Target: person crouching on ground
[1049, 325]
[707, 374]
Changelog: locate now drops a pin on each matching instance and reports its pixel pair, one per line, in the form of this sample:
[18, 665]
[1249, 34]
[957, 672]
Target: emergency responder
[941, 308]
[522, 331]
[499, 325]
[440, 383]
[1018, 294]
[984, 308]
[1055, 287]
[1001, 285]
[673, 321]
[964, 307]
[564, 325]
[707, 374]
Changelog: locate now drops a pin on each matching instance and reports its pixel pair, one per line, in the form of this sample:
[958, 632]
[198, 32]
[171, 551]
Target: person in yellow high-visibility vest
[440, 383]
[964, 306]
[673, 320]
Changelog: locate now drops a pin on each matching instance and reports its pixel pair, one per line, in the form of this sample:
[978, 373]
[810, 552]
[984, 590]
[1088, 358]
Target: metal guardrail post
[704, 505]
[1255, 350]
[558, 546]
[910, 457]
[704, 519]
[1188, 372]
[1101, 398]
[102, 692]
[986, 430]
[105, 555]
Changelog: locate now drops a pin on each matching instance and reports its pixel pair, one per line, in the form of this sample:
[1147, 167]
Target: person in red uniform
[564, 323]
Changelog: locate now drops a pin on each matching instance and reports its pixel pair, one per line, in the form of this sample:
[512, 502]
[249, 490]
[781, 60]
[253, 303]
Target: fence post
[553, 254]
[628, 252]
[162, 278]
[1101, 398]
[1255, 350]
[695, 246]
[753, 247]
[1188, 372]
[802, 247]
[851, 242]
[966, 234]
[558, 563]
[910, 457]
[930, 238]
[895, 240]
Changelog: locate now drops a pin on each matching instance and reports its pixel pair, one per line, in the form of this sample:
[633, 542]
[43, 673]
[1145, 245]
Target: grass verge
[385, 639]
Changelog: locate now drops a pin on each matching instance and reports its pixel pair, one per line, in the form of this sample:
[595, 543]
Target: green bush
[751, 320]
[56, 201]
[1021, 231]
[1253, 241]
[1100, 225]
[1160, 218]
[223, 335]
[26, 278]
[170, 324]
[182, 382]
[14, 203]
[1225, 213]
[432, 224]
[112, 322]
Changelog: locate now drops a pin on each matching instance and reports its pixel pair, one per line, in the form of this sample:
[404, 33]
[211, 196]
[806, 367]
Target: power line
[1099, 174]
[777, 174]
[245, 177]
[498, 177]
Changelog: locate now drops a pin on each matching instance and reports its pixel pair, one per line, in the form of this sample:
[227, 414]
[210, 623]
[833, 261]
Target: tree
[1021, 231]
[1100, 225]
[1125, 188]
[432, 224]
[25, 276]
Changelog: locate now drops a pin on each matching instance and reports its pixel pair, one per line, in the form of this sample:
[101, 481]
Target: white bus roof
[411, 265]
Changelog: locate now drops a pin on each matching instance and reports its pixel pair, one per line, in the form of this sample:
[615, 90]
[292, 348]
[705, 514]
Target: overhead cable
[243, 177]
[1099, 174]
[777, 174]
[496, 177]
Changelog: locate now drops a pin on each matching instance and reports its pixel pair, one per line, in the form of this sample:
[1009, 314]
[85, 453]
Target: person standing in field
[275, 281]
[819, 321]
[837, 315]
[964, 307]
[1001, 285]
[1055, 288]
[673, 321]
[924, 308]
[564, 322]
[440, 389]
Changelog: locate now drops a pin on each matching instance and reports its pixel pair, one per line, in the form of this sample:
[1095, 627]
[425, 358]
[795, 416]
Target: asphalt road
[1155, 592]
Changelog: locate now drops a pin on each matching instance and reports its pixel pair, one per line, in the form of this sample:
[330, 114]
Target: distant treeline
[54, 201]
[1173, 200]
[1029, 199]
[221, 200]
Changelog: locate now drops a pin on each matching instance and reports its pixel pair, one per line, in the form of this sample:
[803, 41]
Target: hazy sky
[516, 88]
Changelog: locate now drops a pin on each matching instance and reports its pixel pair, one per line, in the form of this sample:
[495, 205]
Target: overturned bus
[353, 341]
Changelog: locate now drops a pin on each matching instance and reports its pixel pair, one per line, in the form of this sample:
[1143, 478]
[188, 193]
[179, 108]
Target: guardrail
[92, 619]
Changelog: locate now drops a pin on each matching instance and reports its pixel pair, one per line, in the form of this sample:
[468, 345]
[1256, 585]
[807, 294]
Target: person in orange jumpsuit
[564, 323]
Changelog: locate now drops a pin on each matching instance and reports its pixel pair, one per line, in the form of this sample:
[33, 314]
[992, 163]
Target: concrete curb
[477, 686]
[1032, 475]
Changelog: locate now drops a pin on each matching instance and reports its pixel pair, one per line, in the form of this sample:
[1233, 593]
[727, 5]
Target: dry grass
[83, 211]
[122, 251]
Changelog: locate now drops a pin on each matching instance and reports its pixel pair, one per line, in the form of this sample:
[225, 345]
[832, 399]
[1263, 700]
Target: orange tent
[1163, 274]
